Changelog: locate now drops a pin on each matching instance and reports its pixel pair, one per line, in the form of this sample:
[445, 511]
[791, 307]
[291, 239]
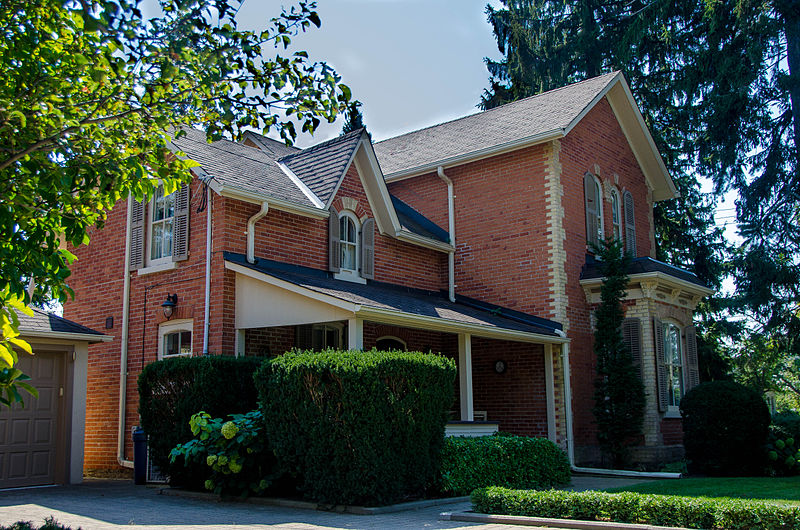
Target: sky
[412, 63]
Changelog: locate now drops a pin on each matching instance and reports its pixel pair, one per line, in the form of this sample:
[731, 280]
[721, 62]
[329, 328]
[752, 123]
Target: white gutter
[123, 352]
[251, 231]
[571, 437]
[207, 309]
[422, 241]
[451, 228]
[275, 204]
[65, 335]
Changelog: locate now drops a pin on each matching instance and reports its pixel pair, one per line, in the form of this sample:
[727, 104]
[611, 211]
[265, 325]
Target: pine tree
[619, 392]
[353, 119]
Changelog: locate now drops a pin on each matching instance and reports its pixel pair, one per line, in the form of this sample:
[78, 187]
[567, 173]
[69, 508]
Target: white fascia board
[302, 185]
[661, 277]
[600, 95]
[62, 335]
[259, 198]
[381, 205]
[474, 156]
[422, 241]
[451, 326]
[647, 155]
[298, 289]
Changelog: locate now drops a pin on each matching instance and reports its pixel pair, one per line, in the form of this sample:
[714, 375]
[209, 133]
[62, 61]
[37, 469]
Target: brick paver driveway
[113, 504]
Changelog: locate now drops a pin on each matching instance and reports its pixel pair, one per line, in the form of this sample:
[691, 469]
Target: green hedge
[501, 460]
[357, 427]
[172, 390]
[661, 510]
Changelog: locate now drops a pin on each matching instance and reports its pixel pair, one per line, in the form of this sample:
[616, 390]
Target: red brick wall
[501, 237]
[672, 431]
[596, 140]
[395, 261]
[515, 398]
[265, 342]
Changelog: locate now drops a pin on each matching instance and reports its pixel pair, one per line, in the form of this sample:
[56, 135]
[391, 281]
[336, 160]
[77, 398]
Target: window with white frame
[348, 242]
[175, 339]
[162, 213]
[593, 198]
[390, 343]
[673, 361]
[616, 215]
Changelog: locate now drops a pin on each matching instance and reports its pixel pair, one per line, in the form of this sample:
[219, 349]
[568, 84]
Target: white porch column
[239, 349]
[355, 334]
[549, 386]
[465, 375]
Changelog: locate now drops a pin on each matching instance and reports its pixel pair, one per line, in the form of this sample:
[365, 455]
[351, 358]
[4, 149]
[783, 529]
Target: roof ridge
[505, 105]
[324, 144]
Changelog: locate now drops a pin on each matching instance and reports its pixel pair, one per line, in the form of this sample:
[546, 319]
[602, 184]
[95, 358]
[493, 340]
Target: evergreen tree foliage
[718, 86]
[353, 119]
[619, 392]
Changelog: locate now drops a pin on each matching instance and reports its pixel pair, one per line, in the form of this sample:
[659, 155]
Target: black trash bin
[139, 456]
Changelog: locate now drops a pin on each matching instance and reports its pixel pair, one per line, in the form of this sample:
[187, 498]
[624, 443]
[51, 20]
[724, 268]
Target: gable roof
[322, 166]
[44, 324]
[274, 148]
[246, 168]
[530, 121]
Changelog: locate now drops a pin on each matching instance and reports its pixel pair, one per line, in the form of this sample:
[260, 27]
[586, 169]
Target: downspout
[207, 309]
[251, 231]
[571, 438]
[451, 228]
[123, 353]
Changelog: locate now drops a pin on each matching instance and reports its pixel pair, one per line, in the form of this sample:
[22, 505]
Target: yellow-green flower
[235, 467]
[209, 484]
[229, 430]
[210, 459]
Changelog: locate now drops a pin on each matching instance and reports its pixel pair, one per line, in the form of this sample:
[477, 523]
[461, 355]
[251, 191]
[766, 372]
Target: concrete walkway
[112, 504]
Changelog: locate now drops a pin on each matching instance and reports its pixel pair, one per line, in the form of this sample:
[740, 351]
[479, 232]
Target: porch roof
[382, 302]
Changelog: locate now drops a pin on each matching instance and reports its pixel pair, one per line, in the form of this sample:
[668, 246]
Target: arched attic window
[630, 223]
[351, 251]
[616, 215]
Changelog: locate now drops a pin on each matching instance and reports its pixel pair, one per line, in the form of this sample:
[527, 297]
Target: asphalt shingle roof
[392, 297]
[240, 166]
[44, 322]
[416, 223]
[321, 167]
[643, 265]
[529, 117]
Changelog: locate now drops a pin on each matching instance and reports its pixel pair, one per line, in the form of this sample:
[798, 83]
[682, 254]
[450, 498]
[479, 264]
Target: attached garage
[42, 442]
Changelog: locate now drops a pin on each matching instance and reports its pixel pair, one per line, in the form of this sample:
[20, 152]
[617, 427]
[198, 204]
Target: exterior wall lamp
[169, 305]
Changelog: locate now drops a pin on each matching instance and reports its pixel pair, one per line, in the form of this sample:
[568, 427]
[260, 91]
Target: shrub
[787, 423]
[627, 507]
[49, 524]
[725, 428]
[357, 427]
[783, 455]
[172, 390]
[234, 454]
[509, 461]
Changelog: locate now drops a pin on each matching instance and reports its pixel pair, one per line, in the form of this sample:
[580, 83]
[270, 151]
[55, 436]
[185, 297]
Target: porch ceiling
[392, 304]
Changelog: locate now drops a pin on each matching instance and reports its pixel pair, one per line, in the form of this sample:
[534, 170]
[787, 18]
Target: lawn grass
[782, 490]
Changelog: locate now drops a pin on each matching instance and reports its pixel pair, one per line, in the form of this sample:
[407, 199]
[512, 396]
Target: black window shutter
[630, 223]
[334, 252]
[136, 258]
[632, 336]
[692, 367]
[590, 196]
[180, 225]
[368, 249]
[661, 366]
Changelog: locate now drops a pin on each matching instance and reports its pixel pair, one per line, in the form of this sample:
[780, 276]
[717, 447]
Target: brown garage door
[32, 441]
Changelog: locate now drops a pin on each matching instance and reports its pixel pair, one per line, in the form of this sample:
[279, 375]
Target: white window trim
[150, 269]
[392, 337]
[172, 326]
[348, 274]
[673, 411]
[150, 211]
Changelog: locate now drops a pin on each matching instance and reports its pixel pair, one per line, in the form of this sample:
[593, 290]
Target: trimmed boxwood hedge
[660, 510]
[357, 427]
[501, 460]
[171, 390]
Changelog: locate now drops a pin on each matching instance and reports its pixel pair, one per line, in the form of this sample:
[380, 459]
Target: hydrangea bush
[235, 453]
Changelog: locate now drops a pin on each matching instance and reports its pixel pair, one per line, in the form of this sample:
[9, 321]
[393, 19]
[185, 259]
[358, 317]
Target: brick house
[469, 238]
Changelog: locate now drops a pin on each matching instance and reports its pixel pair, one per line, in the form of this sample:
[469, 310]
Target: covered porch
[508, 364]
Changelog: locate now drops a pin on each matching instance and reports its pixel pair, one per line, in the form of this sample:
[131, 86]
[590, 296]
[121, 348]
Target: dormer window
[348, 242]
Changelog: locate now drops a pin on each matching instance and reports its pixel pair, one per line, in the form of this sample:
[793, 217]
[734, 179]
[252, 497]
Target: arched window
[673, 362]
[175, 338]
[616, 217]
[592, 191]
[348, 242]
[390, 343]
